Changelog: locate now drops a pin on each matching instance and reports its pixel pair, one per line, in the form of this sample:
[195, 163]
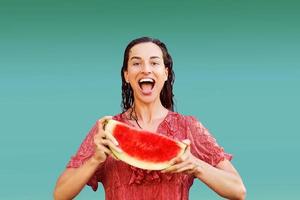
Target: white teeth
[146, 80]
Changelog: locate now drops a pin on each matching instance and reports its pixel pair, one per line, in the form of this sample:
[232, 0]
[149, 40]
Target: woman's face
[146, 71]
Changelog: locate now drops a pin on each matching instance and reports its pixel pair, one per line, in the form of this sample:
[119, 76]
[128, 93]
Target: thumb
[186, 141]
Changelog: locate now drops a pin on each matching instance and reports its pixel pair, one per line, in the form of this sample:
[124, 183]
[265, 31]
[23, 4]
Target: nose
[146, 68]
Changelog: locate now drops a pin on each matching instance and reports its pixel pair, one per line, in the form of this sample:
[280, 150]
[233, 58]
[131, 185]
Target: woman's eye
[155, 63]
[136, 64]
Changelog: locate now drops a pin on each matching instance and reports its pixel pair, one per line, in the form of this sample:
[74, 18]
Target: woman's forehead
[145, 50]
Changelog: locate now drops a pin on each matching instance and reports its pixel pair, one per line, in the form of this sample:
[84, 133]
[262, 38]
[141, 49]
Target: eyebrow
[135, 57]
[154, 57]
[139, 58]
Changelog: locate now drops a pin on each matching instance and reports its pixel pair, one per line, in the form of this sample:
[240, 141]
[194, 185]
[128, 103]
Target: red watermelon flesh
[144, 149]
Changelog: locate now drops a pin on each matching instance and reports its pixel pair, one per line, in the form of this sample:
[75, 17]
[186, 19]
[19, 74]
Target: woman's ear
[126, 76]
[166, 73]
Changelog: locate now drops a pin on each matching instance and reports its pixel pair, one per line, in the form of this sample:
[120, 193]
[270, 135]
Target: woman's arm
[72, 180]
[223, 179]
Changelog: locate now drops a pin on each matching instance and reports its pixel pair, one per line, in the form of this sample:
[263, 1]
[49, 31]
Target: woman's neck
[148, 113]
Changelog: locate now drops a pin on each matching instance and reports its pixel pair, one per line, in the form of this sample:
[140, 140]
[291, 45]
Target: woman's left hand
[187, 163]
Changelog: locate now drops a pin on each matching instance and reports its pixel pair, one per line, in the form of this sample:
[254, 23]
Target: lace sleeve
[203, 144]
[85, 151]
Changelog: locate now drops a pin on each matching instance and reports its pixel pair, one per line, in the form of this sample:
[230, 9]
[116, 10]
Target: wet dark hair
[166, 94]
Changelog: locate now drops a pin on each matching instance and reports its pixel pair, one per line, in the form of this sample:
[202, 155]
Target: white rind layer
[109, 128]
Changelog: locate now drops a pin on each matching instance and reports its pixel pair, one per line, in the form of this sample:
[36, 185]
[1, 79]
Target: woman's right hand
[104, 142]
[72, 180]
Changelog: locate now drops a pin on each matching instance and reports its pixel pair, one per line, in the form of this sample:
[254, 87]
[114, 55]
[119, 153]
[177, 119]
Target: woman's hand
[104, 142]
[187, 163]
[223, 178]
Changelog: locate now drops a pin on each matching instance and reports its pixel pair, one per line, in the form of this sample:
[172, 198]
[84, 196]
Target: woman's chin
[147, 98]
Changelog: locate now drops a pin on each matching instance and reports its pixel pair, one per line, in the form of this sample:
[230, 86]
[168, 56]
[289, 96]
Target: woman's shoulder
[118, 116]
[176, 120]
[182, 117]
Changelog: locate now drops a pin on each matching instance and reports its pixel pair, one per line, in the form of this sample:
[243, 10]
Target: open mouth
[146, 84]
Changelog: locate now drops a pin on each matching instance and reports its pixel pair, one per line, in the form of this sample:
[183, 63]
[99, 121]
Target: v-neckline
[128, 122]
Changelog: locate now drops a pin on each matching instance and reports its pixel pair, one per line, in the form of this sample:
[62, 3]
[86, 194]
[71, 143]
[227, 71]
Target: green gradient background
[237, 70]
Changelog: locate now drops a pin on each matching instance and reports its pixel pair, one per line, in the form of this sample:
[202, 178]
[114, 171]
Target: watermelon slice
[143, 149]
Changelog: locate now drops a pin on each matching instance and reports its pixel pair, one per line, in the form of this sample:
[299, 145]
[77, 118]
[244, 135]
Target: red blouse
[122, 181]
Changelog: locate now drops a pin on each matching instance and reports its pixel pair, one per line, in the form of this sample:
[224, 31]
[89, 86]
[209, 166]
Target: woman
[147, 101]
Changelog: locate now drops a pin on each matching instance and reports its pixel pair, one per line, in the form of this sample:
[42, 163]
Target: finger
[184, 157]
[187, 142]
[169, 169]
[112, 138]
[111, 145]
[102, 120]
[165, 170]
[98, 137]
[105, 118]
[99, 140]
[176, 160]
[174, 167]
[179, 159]
[106, 150]
[103, 149]
[185, 168]
[103, 133]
